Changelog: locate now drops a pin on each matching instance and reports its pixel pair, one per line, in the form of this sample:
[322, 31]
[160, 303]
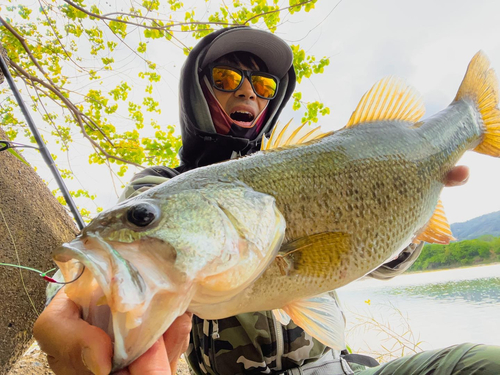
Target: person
[234, 85]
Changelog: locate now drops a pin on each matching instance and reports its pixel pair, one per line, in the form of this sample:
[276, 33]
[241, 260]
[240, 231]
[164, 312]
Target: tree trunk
[32, 223]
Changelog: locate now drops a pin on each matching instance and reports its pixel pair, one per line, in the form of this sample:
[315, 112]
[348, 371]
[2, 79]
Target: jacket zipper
[215, 336]
[279, 342]
[215, 330]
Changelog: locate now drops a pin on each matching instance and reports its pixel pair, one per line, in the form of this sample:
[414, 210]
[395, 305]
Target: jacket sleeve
[146, 179]
[399, 265]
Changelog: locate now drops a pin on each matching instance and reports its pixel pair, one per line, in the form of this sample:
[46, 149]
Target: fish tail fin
[480, 85]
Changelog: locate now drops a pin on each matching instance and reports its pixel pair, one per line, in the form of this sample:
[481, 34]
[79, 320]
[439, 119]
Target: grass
[392, 330]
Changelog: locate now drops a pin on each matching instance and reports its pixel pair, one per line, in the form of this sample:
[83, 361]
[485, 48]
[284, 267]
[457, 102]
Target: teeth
[243, 116]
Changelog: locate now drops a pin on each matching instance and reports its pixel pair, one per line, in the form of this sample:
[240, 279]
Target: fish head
[141, 264]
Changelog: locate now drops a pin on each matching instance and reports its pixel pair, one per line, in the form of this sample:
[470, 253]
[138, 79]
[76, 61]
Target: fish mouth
[130, 301]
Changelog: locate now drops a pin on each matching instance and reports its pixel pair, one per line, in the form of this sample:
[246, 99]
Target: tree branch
[58, 39]
[106, 18]
[77, 114]
[276, 10]
[26, 48]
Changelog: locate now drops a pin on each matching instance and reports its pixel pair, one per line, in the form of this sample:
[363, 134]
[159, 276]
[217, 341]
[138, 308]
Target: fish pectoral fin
[481, 86]
[438, 229]
[317, 254]
[321, 317]
[291, 134]
[281, 316]
[390, 99]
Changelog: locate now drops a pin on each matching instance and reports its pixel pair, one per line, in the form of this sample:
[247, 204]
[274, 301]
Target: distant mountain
[474, 228]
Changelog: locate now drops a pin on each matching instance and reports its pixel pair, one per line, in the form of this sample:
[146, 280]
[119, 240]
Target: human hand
[72, 345]
[457, 176]
[163, 356]
[75, 347]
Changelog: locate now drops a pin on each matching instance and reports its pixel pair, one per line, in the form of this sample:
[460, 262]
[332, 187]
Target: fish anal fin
[320, 317]
[481, 86]
[390, 99]
[281, 316]
[438, 229]
[318, 254]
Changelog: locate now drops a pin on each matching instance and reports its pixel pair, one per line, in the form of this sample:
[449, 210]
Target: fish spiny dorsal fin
[481, 86]
[291, 134]
[389, 99]
[437, 230]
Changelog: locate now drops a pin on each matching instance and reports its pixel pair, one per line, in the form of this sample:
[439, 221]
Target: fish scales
[378, 183]
[276, 229]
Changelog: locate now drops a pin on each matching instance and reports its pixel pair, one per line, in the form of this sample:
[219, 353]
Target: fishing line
[41, 273]
[41, 145]
[19, 262]
[44, 274]
[5, 145]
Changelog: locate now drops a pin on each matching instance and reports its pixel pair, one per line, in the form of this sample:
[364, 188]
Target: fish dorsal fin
[291, 134]
[320, 317]
[390, 99]
[437, 230]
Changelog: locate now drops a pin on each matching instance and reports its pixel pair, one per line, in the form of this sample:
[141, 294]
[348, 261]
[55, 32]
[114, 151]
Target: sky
[429, 43]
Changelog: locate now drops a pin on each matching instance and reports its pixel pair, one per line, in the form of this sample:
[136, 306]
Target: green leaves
[298, 5]
[484, 250]
[305, 65]
[92, 73]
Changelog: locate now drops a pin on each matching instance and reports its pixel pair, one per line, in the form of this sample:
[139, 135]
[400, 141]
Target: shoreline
[449, 269]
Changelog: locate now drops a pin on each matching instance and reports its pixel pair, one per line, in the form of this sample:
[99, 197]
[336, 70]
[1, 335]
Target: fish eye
[142, 214]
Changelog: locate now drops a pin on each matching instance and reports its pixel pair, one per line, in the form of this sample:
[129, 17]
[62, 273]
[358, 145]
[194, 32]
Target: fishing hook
[54, 281]
[44, 274]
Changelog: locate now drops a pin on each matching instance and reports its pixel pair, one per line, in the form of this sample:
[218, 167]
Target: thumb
[153, 362]
[176, 339]
[71, 342]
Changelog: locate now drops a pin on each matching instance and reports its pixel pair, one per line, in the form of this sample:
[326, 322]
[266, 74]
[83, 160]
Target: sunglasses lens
[264, 86]
[225, 78]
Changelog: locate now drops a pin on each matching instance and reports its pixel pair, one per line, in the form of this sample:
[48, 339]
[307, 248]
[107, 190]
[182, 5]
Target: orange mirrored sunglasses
[229, 79]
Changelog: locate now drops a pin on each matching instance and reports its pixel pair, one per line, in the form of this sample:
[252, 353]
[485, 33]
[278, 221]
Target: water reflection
[443, 307]
[479, 291]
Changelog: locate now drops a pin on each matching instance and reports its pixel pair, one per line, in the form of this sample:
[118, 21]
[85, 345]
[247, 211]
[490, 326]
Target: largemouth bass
[280, 228]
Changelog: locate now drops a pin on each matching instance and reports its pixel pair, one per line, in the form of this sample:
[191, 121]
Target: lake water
[441, 308]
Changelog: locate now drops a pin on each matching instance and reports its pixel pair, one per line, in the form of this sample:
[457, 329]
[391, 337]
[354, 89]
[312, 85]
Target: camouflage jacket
[250, 343]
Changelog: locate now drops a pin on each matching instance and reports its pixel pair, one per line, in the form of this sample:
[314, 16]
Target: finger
[457, 176]
[176, 339]
[153, 362]
[73, 345]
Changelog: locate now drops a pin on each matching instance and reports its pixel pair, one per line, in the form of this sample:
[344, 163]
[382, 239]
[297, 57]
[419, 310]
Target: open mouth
[120, 291]
[244, 117]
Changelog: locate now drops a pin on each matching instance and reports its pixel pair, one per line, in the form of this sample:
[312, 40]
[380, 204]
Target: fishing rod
[41, 145]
